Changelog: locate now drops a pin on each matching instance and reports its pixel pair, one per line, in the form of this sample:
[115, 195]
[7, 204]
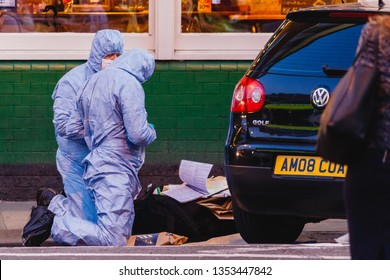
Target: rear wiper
[333, 71]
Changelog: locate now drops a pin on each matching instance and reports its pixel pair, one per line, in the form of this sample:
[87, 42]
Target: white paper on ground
[195, 174]
[181, 193]
[196, 184]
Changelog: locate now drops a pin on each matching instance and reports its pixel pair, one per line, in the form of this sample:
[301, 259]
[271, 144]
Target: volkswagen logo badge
[319, 97]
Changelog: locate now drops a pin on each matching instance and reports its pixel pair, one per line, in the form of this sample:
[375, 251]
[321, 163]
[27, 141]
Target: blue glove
[151, 125]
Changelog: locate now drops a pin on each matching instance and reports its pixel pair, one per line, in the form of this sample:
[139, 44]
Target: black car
[276, 180]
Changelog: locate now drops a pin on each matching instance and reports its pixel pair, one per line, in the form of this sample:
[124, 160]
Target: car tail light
[248, 96]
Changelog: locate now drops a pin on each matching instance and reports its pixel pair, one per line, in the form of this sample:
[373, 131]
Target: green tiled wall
[187, 101]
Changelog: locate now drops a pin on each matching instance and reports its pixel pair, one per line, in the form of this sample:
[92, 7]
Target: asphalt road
[317, 242]
[304, 251]
[217, 258]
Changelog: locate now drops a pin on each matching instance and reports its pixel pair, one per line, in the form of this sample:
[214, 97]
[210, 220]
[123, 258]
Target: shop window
[170, 29]
[82, 16]
[242, 16]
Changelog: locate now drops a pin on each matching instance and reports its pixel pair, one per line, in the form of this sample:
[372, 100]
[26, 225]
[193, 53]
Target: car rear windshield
[306, 48]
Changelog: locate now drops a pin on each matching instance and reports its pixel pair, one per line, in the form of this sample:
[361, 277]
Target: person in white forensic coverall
[113, 120]
[106, 46]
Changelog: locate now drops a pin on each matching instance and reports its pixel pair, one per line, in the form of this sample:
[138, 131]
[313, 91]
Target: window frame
[164, 40]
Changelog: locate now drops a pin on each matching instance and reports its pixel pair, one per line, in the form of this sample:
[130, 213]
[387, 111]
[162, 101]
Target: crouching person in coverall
[113, 121]
[106, 46]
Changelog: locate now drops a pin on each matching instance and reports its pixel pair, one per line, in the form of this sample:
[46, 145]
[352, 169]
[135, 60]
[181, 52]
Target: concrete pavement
[14, 215]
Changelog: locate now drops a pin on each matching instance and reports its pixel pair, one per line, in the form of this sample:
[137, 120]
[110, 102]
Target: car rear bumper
[257, 190]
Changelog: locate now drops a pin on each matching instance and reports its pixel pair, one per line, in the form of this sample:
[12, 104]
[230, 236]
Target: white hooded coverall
[113, 121]
[71, 152]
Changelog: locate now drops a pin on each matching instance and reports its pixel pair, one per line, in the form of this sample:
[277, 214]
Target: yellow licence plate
[308, 166]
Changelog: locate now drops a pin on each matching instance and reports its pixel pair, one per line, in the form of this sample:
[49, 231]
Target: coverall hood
[138, 62]
[105, 42]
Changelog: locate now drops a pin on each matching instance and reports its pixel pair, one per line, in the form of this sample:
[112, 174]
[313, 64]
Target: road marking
[170, 256]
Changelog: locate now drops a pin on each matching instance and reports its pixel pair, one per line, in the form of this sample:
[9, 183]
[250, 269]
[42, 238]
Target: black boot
[38, 228]
[44, 196]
